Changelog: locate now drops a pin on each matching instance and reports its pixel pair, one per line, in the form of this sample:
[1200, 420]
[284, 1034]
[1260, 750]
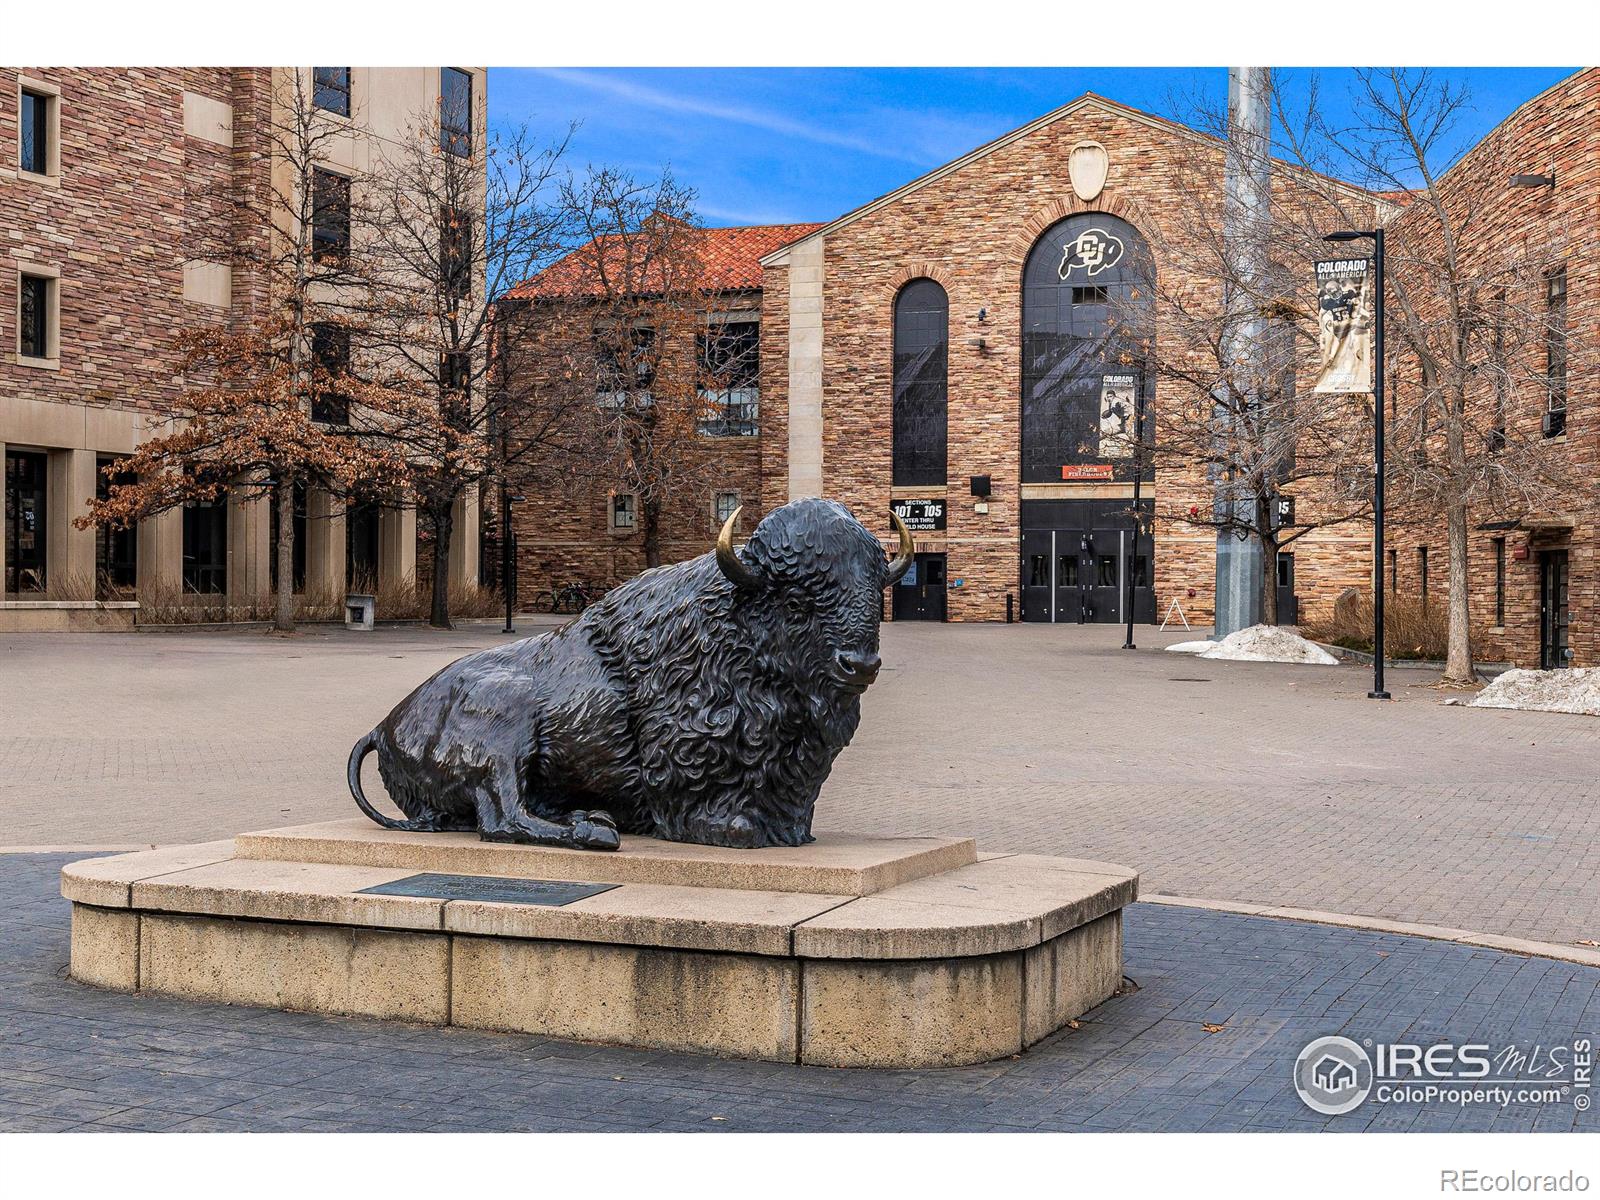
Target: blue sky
[763, 145]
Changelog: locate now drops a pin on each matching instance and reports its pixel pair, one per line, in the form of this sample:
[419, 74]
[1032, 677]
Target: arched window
[1085, 315]
[921, 351]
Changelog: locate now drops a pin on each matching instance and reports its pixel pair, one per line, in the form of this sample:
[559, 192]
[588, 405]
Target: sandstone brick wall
[971, 230]
[1557, 133]
[130, 197]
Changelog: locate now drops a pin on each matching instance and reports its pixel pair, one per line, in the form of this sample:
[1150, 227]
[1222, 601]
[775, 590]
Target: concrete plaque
[551, 893]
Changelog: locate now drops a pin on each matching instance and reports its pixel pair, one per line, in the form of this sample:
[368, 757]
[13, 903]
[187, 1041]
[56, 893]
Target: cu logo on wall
[1093, 250]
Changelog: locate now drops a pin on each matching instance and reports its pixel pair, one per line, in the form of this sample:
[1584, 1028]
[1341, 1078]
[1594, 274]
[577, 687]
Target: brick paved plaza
[1246, 782]
[75, 1057]
[1239, 782]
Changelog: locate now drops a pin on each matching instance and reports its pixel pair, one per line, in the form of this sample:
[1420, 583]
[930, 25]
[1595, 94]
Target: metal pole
[1138, 476]
[507, 563]
[1245, 214]
[1377, 692]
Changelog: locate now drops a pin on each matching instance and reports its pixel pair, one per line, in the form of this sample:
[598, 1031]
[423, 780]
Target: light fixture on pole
[1349, 235]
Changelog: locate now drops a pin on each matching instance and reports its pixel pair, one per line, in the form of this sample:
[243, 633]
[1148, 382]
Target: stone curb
[1441, 933]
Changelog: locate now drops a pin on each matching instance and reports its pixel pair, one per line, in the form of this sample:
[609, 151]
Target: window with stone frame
[1555, 351]
[921, 377]
[729, 362]
[330, 216]
[34, 312]
[35, 131]
[330, 351]
[622, 512]
[455, 253]
[455, 111]
[330, 89]
[625, 366]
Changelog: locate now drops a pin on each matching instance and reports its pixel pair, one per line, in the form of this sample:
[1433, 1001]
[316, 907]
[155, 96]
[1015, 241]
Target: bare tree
[1235, 316]
[453, 222]
[1465, 306]
[266, 406]
[631, 326]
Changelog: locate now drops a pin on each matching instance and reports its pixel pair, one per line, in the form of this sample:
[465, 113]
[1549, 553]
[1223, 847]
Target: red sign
[1087, 471]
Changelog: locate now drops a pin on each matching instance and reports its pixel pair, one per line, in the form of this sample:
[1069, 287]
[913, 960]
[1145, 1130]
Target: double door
[1554, 614]
[1082, 576]
[920, 595]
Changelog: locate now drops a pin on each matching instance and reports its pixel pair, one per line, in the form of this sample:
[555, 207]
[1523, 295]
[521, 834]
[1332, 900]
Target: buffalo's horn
[728, 558]
[901, 563]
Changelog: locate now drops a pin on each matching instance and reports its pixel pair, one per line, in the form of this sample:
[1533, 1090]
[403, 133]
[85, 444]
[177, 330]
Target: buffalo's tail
[358, 753]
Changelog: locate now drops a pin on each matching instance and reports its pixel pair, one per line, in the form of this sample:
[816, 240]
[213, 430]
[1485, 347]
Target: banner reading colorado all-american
[1117, 406]
[1344, 325]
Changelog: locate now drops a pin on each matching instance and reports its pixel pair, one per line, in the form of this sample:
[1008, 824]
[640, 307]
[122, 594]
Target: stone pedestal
[853, 951]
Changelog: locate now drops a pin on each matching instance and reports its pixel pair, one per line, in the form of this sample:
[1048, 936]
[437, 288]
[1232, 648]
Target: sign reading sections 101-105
[920, 516]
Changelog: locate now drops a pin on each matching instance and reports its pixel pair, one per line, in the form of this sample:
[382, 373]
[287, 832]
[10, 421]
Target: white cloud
[755, 118]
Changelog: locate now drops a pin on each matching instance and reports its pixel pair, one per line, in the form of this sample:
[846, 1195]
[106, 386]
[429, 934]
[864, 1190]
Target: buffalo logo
[1094, 250]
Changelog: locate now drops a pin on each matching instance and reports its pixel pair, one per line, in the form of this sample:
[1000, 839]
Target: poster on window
[1117, 416]
[1344, 325]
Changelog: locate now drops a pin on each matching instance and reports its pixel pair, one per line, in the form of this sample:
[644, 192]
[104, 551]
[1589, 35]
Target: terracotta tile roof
[730, 261]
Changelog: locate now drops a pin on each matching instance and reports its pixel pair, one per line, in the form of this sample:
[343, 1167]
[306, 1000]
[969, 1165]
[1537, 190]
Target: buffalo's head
[824, 574]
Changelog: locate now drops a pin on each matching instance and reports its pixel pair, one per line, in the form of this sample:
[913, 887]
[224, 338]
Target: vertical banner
[1344, 325]
[1117, 411]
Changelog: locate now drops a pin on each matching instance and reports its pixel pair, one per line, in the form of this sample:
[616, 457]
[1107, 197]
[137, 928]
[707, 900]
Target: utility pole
[1245, 213]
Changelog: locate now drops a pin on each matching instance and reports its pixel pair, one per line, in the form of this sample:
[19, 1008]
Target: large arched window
[921, 351]
[1085, 315]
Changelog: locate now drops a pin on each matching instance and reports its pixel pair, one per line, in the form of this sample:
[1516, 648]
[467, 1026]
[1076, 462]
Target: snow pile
[1573, 690]
[1261, 643]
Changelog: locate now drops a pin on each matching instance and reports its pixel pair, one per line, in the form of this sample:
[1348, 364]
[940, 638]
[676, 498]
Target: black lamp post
[508, 554]
[1138, 477]
[1347, 235]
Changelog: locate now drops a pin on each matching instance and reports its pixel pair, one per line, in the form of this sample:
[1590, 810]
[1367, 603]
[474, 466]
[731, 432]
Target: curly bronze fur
[700, 702]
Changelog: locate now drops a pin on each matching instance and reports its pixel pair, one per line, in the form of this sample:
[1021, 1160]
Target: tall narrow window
[1500, 581]
[1422, 572]
[33, 339]
[729, 357]
[35, 139]
[330, 89]
[330, 216]
[1555, 352]
[455, 111]
[1497, 432]
[330, 351]
[27, 546]
[116, 547]
[921, 357]
[1394, 572]
[274, 531]
[205, 547]
[455, 253]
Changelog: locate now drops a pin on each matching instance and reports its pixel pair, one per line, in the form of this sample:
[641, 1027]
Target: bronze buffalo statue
[699, 702]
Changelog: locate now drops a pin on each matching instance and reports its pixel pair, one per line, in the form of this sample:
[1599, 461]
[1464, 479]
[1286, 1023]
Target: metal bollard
[1010, 602]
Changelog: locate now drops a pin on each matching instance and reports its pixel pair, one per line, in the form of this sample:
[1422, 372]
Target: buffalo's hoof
[589, 834]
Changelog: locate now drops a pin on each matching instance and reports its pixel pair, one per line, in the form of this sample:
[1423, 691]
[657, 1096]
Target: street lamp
[1138, 475]
[508, 559]
[1349, 235]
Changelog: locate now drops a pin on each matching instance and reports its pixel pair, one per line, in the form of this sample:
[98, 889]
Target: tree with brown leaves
[268, 403]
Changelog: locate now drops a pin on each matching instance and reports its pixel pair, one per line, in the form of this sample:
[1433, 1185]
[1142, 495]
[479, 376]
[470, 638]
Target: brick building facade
[123, 193]
[962, 237]
[1533, 577]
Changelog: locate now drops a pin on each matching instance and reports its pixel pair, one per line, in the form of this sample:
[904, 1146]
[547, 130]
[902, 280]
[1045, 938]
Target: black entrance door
[1079, 571]
[920, 594]
[1553, 615]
